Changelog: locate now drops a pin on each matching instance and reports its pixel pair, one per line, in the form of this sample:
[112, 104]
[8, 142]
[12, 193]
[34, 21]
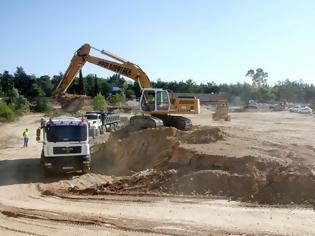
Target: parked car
[301, 109]
[295, 108]
[305, 109]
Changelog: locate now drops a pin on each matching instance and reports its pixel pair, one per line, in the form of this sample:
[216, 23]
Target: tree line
[21, 92]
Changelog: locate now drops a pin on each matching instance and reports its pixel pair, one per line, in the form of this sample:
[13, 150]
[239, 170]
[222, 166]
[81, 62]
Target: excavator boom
[122, 67]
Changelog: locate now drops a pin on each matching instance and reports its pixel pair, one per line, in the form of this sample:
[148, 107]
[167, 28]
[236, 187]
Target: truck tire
[46, 172]
[110, 128]
[102, 130]
[86, 169]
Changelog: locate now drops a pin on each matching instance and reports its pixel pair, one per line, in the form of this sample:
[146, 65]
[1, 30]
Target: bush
[6, 114]
[42, 105]
[99, 102]
[54, 112]
[16, 102]
[116, 99]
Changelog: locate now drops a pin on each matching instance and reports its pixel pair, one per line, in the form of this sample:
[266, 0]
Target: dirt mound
[201, 135]
[147, 181]
[249, 176]
[144, 149]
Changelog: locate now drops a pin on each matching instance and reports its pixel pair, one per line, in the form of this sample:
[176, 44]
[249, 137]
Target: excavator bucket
[72, 102]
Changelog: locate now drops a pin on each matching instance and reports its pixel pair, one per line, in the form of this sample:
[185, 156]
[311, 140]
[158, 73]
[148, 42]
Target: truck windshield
[66, 133]
[91, 117]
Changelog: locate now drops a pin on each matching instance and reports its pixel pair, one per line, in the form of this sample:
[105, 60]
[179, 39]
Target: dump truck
[99, 121]
[65, 145]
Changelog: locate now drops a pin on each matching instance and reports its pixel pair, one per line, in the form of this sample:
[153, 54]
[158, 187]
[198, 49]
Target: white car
[295, 108]
[305, 110]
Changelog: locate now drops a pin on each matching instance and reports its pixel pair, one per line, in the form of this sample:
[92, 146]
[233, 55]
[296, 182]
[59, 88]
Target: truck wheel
[102, 130]
[97, 132]
[110, 128]
[47, 173]
[86, 169]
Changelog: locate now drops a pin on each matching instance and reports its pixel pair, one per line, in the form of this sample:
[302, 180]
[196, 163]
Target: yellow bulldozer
[221, 111]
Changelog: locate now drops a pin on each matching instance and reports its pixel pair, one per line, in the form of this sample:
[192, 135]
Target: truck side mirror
[37, 134]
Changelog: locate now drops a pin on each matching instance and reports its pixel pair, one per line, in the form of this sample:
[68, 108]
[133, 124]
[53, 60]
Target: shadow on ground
[25, 171]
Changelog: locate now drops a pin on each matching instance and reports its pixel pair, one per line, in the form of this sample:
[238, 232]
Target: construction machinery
[222, 111]
[283, 105]
[155, 105]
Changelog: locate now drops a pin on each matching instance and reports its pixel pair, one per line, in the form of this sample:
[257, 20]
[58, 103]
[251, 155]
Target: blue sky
[172, 40]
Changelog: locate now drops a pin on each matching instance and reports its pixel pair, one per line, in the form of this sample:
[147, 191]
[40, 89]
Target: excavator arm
[122, 67]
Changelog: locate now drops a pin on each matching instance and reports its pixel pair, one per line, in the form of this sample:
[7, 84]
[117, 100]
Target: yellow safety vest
[26, 134]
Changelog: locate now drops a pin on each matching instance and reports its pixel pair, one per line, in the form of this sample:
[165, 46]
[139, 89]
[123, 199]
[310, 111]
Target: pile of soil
[145, 149]
[199, 162]
[149, 181]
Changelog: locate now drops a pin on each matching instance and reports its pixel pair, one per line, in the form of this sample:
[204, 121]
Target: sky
[203, 40]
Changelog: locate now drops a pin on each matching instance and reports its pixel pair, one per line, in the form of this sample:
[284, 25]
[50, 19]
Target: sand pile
[144, 149]
[148, 181]
[251, 177]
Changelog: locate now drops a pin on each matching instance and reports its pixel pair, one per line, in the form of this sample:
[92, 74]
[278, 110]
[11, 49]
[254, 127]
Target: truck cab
[65, 145]
[94, 120]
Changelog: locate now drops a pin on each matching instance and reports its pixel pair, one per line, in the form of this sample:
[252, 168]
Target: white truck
[65, 145]
[95, 123]
[99, 121]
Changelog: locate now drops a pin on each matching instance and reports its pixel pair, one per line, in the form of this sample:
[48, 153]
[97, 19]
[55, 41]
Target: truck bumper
[66, 163]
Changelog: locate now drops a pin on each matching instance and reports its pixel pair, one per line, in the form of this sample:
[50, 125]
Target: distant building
[205, 98]
[117, 90]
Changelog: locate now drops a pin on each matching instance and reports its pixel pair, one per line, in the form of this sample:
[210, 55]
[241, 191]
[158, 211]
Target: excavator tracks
[179, 122]
[144, 122]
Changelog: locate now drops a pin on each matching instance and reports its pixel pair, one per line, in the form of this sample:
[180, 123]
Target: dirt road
[26, 210]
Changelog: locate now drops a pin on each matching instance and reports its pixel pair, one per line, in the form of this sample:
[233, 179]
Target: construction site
[205, 128]
[253, 175]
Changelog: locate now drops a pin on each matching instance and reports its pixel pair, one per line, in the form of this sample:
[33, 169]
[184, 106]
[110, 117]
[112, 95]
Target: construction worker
[150, 102]
[26, 134]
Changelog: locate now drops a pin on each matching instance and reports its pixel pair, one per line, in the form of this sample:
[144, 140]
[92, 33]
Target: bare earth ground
[283, 141]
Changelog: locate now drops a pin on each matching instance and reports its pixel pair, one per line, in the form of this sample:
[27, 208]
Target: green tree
[258, 76]
[36, 91]
[99, 102]
[130, 93]
[105, 87]
[6, 114]
[116, 99]
[23, 82]
[89, 85]
[116, 80]
[125, 85]
[7, 82]
[81, 89]
[46, 85]
[96, 87]
[42, 104]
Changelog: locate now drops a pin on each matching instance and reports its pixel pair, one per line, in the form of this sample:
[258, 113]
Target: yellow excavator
[155, 105]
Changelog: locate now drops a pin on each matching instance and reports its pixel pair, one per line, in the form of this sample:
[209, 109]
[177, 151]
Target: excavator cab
[154, 100]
